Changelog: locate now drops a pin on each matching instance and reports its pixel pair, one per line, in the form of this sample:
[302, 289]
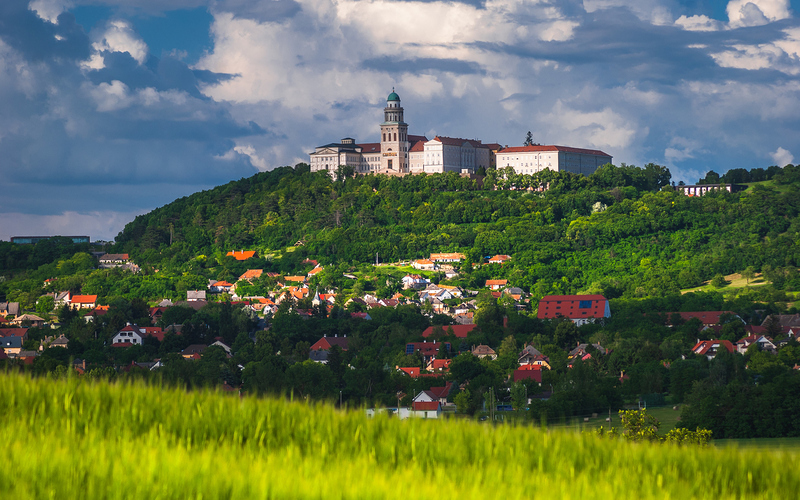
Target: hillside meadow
[74, 438]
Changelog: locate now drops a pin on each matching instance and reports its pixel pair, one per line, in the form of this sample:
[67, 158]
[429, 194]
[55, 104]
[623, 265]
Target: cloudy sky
[110, 108]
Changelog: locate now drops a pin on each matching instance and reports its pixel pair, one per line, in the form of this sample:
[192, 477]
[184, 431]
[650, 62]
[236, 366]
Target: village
[453, 331]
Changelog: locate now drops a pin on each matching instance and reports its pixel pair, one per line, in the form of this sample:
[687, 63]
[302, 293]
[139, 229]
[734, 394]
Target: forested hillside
[621, 231]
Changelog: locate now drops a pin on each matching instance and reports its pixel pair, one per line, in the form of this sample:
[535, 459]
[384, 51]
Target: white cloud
[782, 55]
[756, 12]
[680, 149]
[782, 157]
[604, 128]
[119, 36]
[698, 23]
[49, 10]
[651, 11]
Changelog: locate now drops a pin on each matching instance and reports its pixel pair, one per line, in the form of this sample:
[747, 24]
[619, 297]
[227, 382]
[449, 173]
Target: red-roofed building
[496, 284]
[439, 365]
[251, 274]
[499, 259]
[220, 287]
[426, 409]
[581, 309]
[83, 301]
[459, 331]
[325, 343]
[241, 254]
[707, 318]
[709, 348]
[424, 265]
[528, 372]
[764, 343]
[428, 350]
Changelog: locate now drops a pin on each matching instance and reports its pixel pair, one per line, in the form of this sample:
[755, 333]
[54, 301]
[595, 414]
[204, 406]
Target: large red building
[581, 309]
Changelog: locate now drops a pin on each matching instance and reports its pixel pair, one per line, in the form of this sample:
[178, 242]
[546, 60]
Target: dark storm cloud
[144, 127]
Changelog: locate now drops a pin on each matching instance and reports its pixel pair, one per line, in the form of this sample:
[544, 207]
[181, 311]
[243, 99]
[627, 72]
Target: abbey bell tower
[394, 136]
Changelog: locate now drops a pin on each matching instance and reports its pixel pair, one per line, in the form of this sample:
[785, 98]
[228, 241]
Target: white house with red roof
[452, 154]
[533, 159]
[499, 259]
[581, 309]
[83, 301]
[135, 335]
[496, 284]
[424, 265]
[764, 343]
[709, 348]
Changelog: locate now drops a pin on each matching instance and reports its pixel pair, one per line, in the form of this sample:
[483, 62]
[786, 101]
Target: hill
[621, 231]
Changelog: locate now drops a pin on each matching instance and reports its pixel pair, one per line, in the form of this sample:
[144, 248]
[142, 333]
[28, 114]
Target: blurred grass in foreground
[79, 439]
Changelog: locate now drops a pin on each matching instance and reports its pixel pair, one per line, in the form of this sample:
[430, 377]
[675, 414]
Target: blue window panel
[409, 348]
[585, 304]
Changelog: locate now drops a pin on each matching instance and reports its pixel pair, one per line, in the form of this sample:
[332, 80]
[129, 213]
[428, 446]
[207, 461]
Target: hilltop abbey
[399, 153]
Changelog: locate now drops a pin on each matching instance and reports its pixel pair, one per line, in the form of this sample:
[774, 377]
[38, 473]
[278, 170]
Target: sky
[111, 108]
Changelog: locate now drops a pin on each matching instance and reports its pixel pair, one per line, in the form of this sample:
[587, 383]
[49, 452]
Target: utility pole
[376, 259]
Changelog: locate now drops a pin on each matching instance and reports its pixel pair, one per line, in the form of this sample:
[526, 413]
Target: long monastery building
[399, 153]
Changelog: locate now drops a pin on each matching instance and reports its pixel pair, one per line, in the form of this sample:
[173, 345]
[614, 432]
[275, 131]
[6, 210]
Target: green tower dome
[393, 96]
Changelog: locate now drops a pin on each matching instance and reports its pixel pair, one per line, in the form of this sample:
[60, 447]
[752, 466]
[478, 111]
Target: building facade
[533, 159]
[399, 153]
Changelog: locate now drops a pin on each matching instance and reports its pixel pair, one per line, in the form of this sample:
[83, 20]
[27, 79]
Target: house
[9, 309]
[251, 274]
[528, 372]
[194, 351]
[83, 302]
[496, 284]
[434, 394]
[785, 320]
[220, 286]
[707, 318]
[709, 348]
[110, 260]
[414, 282]
[61, 341]
[135, 335]
[447, 257]
[428, 350]
[764, 343]
[514, 292]
[531, 356]
[28, 319]
[242, 254]
[411, 371]
[582, 351]
[424, 265]
[14, 332]
[195, 295]
[325, 343]
[581, 309]
[459, 331]
[295, 279]
[439, 365]
[425, 409]
[11, 344]
[314, 272]
[499, 259]
[484, 351]
[223, 345]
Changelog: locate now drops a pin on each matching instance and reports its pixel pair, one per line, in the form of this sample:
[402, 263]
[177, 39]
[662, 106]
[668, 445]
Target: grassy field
[80, 439]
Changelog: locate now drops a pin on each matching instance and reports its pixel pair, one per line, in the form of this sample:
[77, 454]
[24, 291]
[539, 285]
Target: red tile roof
[326, 343]
[371, 147]
[460, 331]
[251, 274]
[704, 346]
[496, 282]
[426, 406]
[83, 299]
[241, 255]
[564, 149]
[705, 317]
